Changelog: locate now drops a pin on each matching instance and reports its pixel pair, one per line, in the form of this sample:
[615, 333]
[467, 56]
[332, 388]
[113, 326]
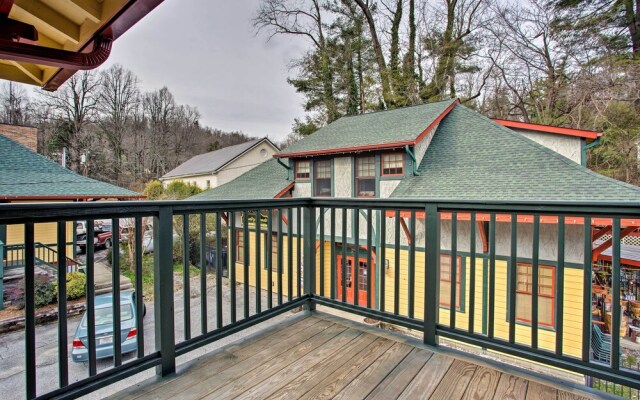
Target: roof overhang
[548, 129]
[372, 147]
[44, 42]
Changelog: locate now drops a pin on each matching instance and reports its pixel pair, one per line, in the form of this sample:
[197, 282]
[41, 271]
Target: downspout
[587, 147]
[413, 157]
[286, 166]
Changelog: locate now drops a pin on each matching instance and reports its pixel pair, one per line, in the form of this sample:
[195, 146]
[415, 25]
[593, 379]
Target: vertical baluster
[355, 272]
[290, 255]
[203, 273]
[30, 310]
[492, 275]
[615, 291]
[186, 261]
[432, 273]
[344, 255]
[334, 283]
[268, 251]
[370, 271]
[280, 256]
[163, 296]
[139, 232]
[535, 284]
[245, 257]
[91, 296]
[472, 271]
[219, 321]
[513, 278]
[453, 269]
[586, 288]
[115, 290]
[382, 260]
[396, 271]
[321, 238]
[258, 259]
[559, 306]
[299, 252]
[411, 281]
[233, 257]
[63, 360]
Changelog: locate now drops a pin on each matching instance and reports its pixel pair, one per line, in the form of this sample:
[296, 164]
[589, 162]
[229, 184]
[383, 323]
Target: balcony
[388, 261]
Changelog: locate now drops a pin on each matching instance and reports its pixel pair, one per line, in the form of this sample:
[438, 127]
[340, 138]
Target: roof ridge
[552, 153]
[399, 108]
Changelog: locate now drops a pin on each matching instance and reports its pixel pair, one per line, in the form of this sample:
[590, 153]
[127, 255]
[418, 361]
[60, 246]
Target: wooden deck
[325, 357]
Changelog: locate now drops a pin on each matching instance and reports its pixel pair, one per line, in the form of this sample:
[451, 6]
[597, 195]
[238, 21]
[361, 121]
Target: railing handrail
[45, 212]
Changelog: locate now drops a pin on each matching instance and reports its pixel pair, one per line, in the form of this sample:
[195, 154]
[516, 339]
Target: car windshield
[105, 227]
[104, 315]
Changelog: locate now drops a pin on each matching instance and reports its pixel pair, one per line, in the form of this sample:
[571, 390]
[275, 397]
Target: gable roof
[265, 181]
[473, 158]
[213, 161]
[373, 131]
[25, 174]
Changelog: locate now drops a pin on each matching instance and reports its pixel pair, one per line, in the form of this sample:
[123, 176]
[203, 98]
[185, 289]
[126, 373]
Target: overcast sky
[207, 54]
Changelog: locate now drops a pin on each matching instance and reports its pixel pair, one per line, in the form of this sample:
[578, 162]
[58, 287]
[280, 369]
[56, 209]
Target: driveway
[12, 376]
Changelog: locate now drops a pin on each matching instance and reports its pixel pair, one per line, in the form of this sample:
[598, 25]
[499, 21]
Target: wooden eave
[72, 35]
[591, 135]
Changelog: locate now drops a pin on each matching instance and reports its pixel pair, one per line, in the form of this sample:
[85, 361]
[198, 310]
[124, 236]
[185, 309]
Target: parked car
[102, 237]
[128, 229]
[104, 328]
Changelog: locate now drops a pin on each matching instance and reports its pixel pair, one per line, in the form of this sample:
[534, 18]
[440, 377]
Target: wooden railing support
[163, 290]
[432, 273]
[309, 260]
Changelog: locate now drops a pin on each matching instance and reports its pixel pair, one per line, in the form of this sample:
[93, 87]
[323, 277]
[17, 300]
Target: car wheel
[107, 244]
[144, 310]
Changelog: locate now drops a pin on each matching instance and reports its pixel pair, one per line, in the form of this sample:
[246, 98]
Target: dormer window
[366, 176]
[303, 170]
[322, 178]
[393, 164]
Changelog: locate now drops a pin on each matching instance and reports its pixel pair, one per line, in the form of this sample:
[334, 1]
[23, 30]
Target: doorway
[363, 283]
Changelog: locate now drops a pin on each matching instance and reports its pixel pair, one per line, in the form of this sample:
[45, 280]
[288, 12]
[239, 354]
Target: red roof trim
[71, 197]
[371, 147]
[548, 129]
[284, 191]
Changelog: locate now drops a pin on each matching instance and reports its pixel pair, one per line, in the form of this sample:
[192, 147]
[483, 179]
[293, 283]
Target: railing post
[163, 290]
[309, 242]
[432, 268]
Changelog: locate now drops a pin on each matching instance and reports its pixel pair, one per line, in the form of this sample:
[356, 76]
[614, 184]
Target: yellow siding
[45, 233]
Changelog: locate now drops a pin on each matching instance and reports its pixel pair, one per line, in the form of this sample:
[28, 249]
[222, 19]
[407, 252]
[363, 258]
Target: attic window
[303, 169]
[393, 164]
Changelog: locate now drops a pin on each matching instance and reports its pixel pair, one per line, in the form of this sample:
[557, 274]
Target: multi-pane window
[322, 178]
[239, 246]
[303, 169]
[445, 281]
[546, 294]
[366, 176]
[362, 276]
[274, 252]
[392, 164]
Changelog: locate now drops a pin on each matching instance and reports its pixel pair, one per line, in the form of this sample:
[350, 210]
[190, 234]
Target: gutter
[413, 157]
[588, 147]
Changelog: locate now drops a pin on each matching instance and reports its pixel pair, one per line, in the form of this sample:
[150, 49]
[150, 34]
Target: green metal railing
[321, 236]
[45, 256]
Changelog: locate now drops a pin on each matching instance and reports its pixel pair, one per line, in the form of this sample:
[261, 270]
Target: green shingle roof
[472, 158]
[378, 128]
[262, 182]
[26, 174]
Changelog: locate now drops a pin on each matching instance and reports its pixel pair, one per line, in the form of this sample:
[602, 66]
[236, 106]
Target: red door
[363, 283]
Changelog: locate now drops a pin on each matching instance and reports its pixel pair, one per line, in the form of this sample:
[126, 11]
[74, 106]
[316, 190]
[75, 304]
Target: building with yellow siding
[436, 151]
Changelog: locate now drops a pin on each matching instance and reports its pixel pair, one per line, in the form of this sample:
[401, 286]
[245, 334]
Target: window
[392, 165]
[208, 184]
[239, 246]
[445, 281]
[303, 169]
[546, 294]
[366, 176]
[322, 178]
[274, 252]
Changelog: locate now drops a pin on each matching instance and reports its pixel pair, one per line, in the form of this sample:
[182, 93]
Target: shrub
[154, 190]
[76, 285]
[45, 291]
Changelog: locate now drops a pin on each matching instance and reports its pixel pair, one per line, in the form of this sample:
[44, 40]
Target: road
[12, 376]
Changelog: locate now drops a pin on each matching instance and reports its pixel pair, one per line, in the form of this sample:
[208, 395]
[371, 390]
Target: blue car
[104, 328]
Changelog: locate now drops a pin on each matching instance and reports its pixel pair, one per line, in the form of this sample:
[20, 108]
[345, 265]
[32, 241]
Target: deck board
[316, 357]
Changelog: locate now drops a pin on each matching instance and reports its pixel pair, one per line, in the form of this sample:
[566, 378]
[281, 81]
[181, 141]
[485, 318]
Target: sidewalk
[102, 274]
